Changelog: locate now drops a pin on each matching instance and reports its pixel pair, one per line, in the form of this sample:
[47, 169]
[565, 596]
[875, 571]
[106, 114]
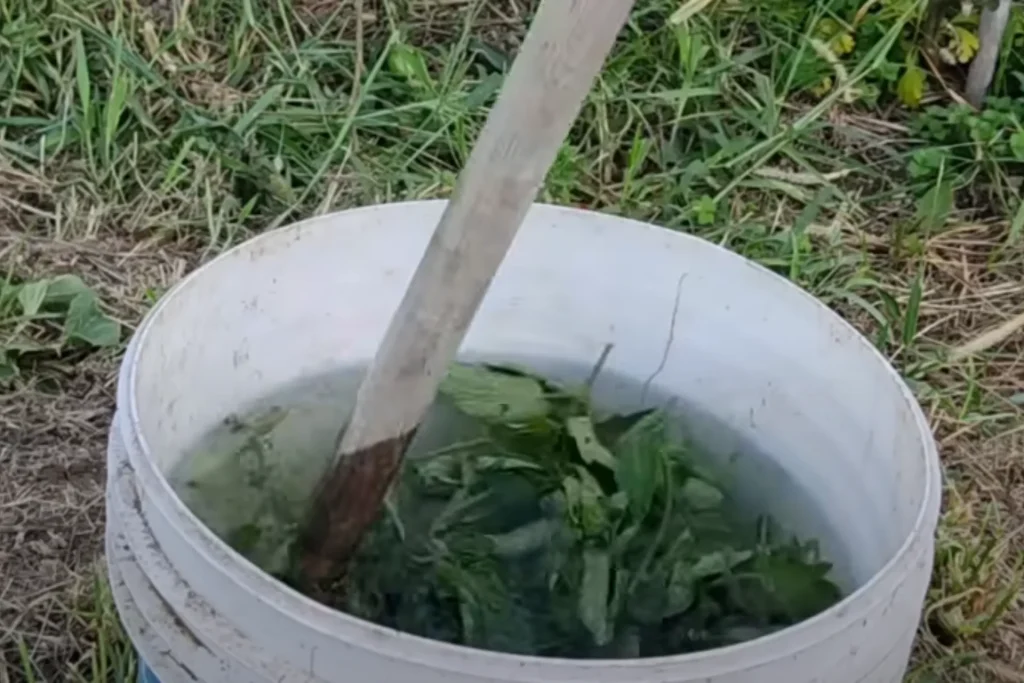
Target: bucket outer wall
[766, 362]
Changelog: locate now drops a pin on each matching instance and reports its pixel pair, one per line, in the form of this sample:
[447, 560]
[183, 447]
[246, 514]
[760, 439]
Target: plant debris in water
[556, 531]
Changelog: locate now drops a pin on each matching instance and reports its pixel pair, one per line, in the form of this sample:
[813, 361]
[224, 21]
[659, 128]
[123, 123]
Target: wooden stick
[991, 28]
[563, 52]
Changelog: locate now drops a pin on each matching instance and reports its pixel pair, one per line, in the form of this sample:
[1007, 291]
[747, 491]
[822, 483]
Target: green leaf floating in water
[586, 503]
[495, 396]
[591, 450]
[639, 452]
[545, 533]
[701, 495]
[594, 595]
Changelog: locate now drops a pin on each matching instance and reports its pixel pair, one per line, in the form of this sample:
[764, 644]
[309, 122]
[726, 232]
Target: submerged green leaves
[592, 451]
[495, 396]
[557, 531]
[639, 452]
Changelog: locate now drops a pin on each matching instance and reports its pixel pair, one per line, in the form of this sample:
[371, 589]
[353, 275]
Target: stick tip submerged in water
[346, 505]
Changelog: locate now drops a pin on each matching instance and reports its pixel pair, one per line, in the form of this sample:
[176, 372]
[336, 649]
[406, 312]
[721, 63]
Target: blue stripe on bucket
[146, 674]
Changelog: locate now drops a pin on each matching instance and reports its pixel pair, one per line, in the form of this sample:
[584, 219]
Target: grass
[142, 137]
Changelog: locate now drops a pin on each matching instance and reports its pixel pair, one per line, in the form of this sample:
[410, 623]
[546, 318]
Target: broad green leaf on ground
[63, 288]
[1017, 145]
[638, 459]
[86, 322]
[966, 44]
[495, 396]
[63, 304]
[593, 605]
[31, 296]
[8, 368]
[408, 62]
[842, 44]
[934, 207]
[704, 210]
[911, 86]
[8, 295]
[928, 162]
[591, 450]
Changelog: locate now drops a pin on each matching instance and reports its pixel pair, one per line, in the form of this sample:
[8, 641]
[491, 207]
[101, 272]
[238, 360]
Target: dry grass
[133, 228]
[973, 285]
[51, 517]
[53, 435]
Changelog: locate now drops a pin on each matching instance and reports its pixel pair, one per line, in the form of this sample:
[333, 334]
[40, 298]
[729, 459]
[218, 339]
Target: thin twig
[953, 95]
[668, 342]
[599, 365]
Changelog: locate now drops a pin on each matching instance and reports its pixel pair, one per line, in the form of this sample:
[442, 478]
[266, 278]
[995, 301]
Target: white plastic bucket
[760, 361]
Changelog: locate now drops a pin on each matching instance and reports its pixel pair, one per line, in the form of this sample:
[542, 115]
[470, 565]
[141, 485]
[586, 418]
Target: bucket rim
[408, 647]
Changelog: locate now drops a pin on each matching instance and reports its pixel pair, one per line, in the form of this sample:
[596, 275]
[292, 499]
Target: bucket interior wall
[797, 406]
